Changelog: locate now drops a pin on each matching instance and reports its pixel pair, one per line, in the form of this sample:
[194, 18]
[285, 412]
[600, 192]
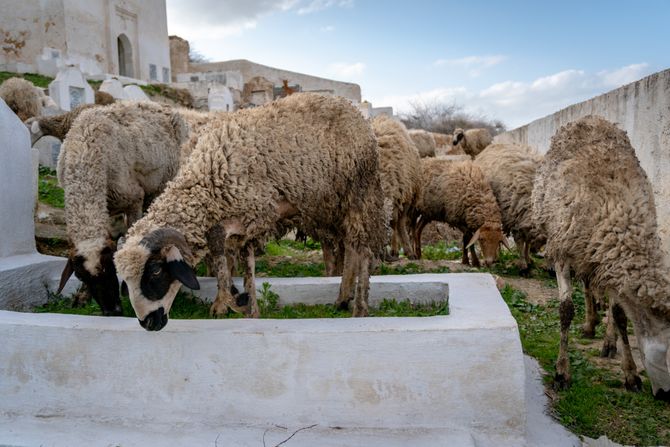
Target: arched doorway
[125, 56]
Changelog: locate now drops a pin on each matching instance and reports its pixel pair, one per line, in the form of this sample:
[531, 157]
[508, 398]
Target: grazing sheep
[442, 140]
[400, 171]
[594, 202]
[57, 125]
[456, 192]
[510, 170]
[424, 142]
[114, 160]
[309, 158]
[472, 141]
[22, 97]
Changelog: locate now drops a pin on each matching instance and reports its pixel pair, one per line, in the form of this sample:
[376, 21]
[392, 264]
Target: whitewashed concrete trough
[444, 380]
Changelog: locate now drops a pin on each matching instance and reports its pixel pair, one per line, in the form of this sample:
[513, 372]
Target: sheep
[103, 98]
[57, 125]
[306, 157]
[400, 170]
[424, 142]
[596, 205]
[472, 141]
[22, 97]
[510, 170]
[113, 160]
[457, 192]
[442, 141]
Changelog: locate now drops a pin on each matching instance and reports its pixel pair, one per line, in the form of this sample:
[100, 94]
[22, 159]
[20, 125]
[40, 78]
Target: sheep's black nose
[155, 321]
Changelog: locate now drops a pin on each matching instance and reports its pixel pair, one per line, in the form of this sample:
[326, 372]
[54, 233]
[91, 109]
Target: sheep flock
[191, 186]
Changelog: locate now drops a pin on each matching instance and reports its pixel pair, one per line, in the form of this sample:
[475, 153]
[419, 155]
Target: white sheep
[594, 202]
[307, 158]
[471, 141]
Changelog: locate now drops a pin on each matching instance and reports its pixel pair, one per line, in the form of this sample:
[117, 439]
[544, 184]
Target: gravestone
[220, 98]
[48, 148]
[135, 93]
[70, 89]
[114, 88]
[24, 273]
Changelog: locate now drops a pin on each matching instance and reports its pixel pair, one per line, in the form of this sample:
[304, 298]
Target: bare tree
[196, 57]
[444, 118]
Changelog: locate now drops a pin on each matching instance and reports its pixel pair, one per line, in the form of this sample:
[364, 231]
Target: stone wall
[179, 50]
[307, 83]
[642, 109]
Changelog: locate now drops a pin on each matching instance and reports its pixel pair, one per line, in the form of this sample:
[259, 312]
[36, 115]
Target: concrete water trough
[445, 380]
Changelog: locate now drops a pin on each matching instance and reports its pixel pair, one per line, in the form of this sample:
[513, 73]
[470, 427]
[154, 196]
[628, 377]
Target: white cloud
[473, 64]
[345, 70]
[327, 29]
[517, 103]
[319, 5]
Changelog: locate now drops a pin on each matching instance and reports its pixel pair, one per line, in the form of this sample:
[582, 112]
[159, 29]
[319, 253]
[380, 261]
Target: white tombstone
[135, 93]
[23, 272]
[114, 88]
[49, 148]
[220, 98]
[70, 89]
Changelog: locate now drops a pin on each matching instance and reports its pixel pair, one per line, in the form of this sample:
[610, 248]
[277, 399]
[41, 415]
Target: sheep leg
[475, 259]
[250, 281]
[339, 259]
[329, 258]
[466, 238]
[421, 224]
[404, 236]
[609, 341]
[362, 287]
[351, 268]
[567, 313]
[395, 244]
[224, 298]
[633, 382]
[592, 319]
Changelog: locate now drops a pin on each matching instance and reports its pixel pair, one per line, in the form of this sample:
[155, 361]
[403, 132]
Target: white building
[120, 37]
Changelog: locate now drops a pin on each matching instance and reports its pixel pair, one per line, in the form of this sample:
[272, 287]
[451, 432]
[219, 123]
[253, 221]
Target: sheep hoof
[633, 383]
[242, 299]
[218, 309]
[391, 258]
[561, 381]
[608, 350]
[360, 312]
[342, 305]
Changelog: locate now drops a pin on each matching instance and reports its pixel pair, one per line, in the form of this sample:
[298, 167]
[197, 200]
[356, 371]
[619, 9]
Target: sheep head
[490, 237]
[459, 134]
[36, 132]
[92, 263]
[154, 269]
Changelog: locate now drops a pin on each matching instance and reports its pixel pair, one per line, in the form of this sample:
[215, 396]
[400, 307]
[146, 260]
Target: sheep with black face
[309, 158]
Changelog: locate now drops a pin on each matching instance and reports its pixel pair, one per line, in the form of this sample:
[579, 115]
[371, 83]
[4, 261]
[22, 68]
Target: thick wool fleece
[594, 202]
[113, 160]
[456, 192]
[314, 152]
[424, 142]
[399, 164]
[57, 125]
[22, 97]
[510, 170]
[473, 141]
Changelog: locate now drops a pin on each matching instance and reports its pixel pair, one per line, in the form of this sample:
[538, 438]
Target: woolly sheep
[472, 141]
[442, 140]
[400, 171]
[22, 97]
[510, 170]
[113, 160]
[103, 98]
[595, 204]
[308, 157]
[57, 125]
[424, 142]
[457, 192]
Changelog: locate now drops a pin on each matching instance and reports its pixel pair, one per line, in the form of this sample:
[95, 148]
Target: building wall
[42, 36]
[642, 109]
[308, 83]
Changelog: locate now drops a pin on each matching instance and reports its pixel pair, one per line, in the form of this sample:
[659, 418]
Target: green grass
[596, 403]
[289, 269]
[441, 251]
[407, 269]
[36, 79]
[188, 306]
[48, 190]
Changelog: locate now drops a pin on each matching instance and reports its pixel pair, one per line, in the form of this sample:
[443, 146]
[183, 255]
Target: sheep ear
[473, 240]
[505, 243]
[67, 272]
[35, 127]
[182, 272]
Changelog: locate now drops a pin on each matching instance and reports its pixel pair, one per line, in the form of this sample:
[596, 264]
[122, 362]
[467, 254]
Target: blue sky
[510, 60]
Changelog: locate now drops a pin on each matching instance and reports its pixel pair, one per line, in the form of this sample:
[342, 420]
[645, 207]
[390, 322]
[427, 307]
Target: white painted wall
[642, 109]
